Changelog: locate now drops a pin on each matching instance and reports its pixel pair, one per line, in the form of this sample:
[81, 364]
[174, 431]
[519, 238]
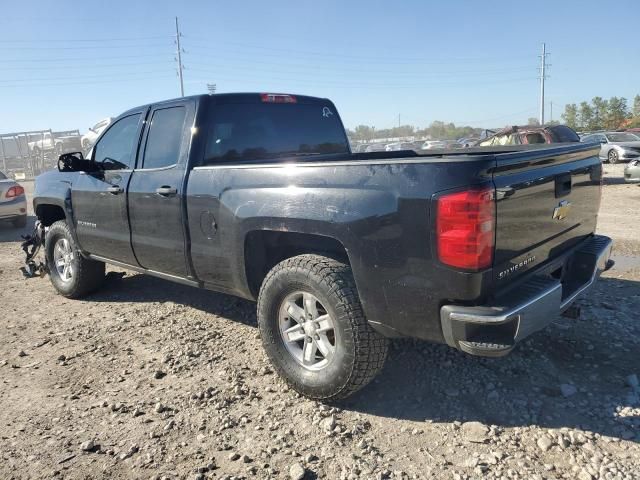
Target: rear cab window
[164, 140]
[246, 132]
[562, 133]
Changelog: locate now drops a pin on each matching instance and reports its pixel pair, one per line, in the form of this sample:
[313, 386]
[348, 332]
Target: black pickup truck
[259, 196]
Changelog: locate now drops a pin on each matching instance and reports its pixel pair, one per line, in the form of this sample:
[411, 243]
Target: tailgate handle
[563, 185]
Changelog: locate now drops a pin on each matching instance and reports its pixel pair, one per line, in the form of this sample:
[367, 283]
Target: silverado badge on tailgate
[562, 210]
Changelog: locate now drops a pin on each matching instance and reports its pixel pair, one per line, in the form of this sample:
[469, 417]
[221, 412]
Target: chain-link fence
[25, 155]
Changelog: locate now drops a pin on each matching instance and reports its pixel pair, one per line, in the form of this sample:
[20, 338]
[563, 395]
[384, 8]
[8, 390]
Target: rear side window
[114, 150]
[535, 138]
[164, 140]
[562, 133]
[255, 131]
[2, 176]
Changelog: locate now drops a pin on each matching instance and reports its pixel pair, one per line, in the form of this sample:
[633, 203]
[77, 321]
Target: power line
[338, 83]
[93, 65]
[145, 78]
[92, 47]
[67, 77]
[319, 71]
[306, 53]
[95, 40]
[40, 60]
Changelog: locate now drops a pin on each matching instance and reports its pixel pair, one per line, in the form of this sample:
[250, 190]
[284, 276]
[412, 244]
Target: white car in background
[89, 138]
[429, 144]
[13, 202]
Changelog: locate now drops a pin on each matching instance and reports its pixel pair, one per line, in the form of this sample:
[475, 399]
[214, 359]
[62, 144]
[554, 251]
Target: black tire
[86, 275]
[613, 157]
[359, 351]
[20, 222]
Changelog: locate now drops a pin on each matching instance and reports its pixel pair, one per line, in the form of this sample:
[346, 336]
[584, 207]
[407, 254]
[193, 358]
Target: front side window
[114, 151]
[622, 137]
[165, 137]
[255, 131]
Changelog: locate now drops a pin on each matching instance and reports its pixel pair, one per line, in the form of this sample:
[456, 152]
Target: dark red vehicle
[529, 135]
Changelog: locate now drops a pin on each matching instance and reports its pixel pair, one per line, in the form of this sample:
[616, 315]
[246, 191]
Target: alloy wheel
[307, 329]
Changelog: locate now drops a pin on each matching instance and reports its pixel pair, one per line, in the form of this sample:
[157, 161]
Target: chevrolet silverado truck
[259, 196]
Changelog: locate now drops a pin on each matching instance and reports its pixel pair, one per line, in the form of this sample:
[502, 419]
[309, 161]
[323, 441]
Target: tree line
[437, 129]
[602, 114]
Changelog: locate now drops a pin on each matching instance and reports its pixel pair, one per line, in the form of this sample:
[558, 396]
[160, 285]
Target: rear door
[547, 202]
[156, 190]
[99, 199]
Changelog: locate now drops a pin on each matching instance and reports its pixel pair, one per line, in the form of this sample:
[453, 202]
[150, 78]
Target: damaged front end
[31, 246]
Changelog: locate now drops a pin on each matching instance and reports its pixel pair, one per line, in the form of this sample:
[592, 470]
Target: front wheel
[613, 156]
[71, 274]
[314, 331]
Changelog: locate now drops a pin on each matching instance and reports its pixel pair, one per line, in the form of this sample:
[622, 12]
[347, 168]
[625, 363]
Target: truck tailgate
[547, 201]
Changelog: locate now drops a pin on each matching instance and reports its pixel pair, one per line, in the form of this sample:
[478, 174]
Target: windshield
[622, 137]
[253, 131]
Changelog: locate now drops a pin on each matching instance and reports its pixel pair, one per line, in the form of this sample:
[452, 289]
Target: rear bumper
[494, 329]
[14, 208]
[632, 172]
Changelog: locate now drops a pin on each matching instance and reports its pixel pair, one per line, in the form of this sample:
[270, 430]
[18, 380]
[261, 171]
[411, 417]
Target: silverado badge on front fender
[562, 210]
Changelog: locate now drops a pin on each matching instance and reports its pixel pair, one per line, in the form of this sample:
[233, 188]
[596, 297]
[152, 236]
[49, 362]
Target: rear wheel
[71, 274]
[613, 157]
[314, 331]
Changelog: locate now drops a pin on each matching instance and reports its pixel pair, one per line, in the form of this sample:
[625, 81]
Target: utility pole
[398, 120]
[179, 58]
[551, 111]
[543, 68]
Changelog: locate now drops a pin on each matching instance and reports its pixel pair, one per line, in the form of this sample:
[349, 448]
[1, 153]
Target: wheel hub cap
[63, 259]
[308, 331]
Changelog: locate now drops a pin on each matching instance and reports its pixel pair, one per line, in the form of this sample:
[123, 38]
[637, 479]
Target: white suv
[89, 138]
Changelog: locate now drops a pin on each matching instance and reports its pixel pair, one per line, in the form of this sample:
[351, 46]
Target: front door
[156, 192]
[99, 199]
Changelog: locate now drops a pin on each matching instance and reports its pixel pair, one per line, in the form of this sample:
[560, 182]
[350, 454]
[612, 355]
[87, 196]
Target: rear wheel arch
[263, 249]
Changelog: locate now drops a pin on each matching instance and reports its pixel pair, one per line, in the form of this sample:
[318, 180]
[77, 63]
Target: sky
[67, 64]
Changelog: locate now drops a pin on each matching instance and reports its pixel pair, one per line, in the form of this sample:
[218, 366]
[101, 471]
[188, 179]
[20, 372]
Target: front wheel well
[264, 249]
[49, 214]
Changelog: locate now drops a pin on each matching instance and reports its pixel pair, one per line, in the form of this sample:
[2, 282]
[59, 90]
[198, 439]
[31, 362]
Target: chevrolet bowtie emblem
[562, 210]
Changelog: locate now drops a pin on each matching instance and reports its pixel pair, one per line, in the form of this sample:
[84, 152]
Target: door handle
[114, 189]
[166, 191]
[563, 185]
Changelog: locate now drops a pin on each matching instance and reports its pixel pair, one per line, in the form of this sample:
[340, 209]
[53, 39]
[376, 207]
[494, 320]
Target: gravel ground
[148, 379]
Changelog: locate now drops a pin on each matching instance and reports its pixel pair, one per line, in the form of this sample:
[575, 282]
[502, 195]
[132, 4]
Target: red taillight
[277, 98]
[14, 192]
[465, 228]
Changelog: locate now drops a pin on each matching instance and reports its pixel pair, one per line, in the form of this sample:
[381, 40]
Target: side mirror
[75, 162]
[603, 140]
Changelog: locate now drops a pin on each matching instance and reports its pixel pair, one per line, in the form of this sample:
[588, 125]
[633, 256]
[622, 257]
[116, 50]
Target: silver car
[13, 202]
[615, 146]
[632, 171]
